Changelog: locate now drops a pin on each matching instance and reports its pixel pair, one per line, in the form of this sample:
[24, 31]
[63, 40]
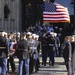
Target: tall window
[6, 11]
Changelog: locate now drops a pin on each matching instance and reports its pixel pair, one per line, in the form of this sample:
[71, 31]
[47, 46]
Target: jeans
[24, 62]
[3, 66]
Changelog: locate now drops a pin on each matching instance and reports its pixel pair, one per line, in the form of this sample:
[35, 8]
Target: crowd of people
[26, 46]
[69, 54]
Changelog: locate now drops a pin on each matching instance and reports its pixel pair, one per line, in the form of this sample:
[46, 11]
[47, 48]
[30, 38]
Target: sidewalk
[58, 69]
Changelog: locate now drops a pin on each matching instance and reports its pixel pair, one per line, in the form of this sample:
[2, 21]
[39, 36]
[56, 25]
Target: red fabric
[14, 46]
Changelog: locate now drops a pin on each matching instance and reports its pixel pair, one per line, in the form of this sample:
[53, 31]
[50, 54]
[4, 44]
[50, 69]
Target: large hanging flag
[53, 12]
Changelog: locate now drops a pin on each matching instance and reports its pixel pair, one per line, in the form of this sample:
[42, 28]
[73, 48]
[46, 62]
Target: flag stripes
[53, 12]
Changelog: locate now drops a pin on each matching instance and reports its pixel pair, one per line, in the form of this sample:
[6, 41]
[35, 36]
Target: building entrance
[31, 13]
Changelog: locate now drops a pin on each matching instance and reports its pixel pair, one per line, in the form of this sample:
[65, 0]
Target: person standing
[23, 54]
[57, 45]
[73, 55]
[12, 42]
[44, 48]
[31, 43]
[36, 53]
[51, 47]
[4, 50]
[67, 49]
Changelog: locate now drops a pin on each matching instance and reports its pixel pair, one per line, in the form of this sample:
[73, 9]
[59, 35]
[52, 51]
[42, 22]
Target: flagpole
[74, 16]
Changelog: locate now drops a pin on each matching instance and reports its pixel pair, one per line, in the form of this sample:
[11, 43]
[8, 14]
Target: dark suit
[22, 49]
[73, 57]
[3, 54]
[67, 53]
[23, 55]
[3, 51]
[51, 49]
[44, 49]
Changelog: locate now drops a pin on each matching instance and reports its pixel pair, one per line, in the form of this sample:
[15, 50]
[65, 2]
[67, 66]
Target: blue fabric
[24, 62]
[0, 70]
[3, 66]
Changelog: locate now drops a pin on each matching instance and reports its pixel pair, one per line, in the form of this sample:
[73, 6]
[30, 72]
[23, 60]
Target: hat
[18, 33]
[37, 36]
[29, 33]
[51, 33]
[3, 33]
[33, 35]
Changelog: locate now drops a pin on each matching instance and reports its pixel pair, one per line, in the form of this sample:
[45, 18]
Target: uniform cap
[3, 33]
[37, 36]
[29, 33]
[51, 33]
[33, 35]
[18, 33]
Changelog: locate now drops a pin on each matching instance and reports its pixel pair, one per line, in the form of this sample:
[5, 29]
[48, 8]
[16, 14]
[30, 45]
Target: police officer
[51, 47]
[3, 54]
[23, 54]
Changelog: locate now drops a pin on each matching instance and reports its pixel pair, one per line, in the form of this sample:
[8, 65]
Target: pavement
[58, 69]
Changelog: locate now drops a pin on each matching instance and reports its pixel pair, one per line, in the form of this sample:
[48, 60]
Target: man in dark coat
[3, 53]
[67, 49]
[44, 48]
[73, 54]
[23, 54]
[51, 48]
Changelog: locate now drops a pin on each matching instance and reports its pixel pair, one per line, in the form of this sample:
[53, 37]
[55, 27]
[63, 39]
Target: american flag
[53, 12]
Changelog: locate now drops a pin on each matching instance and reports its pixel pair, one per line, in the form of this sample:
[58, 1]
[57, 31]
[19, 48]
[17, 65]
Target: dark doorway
[31, 13]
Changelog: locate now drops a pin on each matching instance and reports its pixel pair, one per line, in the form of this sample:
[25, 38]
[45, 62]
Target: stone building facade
[13, 22]
[22, 14]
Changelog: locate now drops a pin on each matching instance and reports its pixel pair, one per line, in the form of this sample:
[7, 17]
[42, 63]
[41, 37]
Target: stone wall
[13, 23]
